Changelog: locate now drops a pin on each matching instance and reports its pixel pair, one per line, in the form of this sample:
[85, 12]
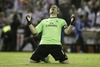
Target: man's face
[53, 9]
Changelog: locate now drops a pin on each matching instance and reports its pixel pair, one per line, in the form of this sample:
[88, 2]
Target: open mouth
[52, 9]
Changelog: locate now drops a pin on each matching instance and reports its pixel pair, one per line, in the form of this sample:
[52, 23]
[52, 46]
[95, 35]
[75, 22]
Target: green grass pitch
[21, 59]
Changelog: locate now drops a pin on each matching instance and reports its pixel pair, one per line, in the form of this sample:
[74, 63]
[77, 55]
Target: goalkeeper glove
[73, 19]
[29, 19]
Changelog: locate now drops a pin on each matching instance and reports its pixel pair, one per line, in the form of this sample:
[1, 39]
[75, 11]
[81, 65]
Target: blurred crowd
[13, 12]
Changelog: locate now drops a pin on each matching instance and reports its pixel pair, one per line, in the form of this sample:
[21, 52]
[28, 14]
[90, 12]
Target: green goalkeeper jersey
[51, 30]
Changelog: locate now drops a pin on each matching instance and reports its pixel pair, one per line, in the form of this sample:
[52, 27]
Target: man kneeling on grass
[51, 36]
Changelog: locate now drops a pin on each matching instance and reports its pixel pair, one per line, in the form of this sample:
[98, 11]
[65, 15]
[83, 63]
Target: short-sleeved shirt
[51, 30]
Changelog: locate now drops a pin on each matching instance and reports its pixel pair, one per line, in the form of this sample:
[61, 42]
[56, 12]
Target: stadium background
[39, 10]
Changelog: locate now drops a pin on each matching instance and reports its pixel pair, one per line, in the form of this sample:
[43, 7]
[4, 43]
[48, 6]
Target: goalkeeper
[51, 36]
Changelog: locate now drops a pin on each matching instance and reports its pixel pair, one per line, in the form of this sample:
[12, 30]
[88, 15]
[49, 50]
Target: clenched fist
[29, 19]
[73, 19]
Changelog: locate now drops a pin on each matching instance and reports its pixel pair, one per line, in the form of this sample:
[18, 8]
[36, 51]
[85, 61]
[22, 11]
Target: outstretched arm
[29, 20]
[70, 27]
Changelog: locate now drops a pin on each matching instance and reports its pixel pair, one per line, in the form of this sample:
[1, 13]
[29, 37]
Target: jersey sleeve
[39, 27]
[64, 24]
